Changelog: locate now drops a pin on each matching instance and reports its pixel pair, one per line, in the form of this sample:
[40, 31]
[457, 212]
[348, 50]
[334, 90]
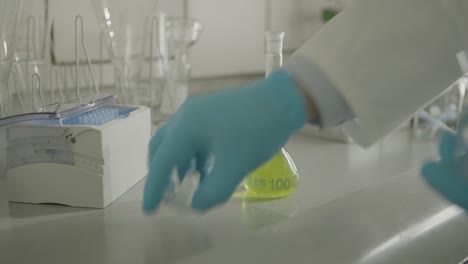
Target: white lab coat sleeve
[333, 109]
[385, 60]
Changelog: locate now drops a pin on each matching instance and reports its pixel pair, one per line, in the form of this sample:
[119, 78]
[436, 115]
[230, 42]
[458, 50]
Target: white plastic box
[119, 150]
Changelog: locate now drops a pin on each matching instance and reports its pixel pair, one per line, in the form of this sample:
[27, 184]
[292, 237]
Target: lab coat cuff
[333, 109]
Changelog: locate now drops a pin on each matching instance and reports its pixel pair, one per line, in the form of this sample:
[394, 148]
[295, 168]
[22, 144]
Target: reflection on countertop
[352, 205]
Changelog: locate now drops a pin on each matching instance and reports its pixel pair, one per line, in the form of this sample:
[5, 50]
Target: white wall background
[232, 40]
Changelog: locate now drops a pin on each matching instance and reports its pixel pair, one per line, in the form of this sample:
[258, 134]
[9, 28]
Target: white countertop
[351, 206]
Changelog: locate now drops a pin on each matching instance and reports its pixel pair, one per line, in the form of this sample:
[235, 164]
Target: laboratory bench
[352, 205]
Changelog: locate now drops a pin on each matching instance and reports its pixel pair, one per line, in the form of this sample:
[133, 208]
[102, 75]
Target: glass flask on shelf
[278, 177]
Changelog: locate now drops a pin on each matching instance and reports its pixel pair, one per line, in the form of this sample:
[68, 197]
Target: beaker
[278, 177]
[182, 33]
[136, 38]
[108, 13]
[141, 39]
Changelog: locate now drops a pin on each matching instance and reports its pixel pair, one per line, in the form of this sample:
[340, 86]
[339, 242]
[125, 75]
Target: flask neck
[274, 51]
[272, 62]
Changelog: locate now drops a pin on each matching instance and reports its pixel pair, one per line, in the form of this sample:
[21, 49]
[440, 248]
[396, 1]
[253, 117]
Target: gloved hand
[241, 127]
[449, 176]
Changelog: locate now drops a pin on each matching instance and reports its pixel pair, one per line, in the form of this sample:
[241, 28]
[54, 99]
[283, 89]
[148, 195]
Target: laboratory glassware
[179, 194]
[142, 63]
[38, 123]
[136, 38]
[109, 12]
[445, 113]
[34, 81]
[9, 16]
[278, 177]
[32, 65]
[68, 136]
[182, 34]
[10, 11]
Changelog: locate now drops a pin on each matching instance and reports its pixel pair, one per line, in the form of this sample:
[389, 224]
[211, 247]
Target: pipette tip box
[107, 160]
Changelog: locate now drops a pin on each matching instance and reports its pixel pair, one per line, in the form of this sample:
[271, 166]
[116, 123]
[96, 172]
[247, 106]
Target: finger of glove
[160, 134]
[204, 164]
[156, 141]
[217, 187]
[186, 167]
[447, 147]
[445, 180]
[170, 153]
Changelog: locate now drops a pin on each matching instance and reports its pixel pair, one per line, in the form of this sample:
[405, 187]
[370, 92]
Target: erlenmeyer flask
[278, 177]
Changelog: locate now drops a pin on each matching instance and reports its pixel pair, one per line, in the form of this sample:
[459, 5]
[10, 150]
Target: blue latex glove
[241, 127]
[449, 176]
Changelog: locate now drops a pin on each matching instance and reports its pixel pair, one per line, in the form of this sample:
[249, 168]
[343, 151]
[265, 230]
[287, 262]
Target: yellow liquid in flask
[275, 179]
[278, 177]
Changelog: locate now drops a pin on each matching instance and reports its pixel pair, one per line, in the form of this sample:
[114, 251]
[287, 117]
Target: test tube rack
[100, 163]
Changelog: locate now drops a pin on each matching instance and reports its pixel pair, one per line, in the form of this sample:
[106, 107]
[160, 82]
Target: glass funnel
[182, 33]
[278, 177]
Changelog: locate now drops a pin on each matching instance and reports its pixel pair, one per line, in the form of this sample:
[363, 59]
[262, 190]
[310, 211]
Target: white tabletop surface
[351, 206]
